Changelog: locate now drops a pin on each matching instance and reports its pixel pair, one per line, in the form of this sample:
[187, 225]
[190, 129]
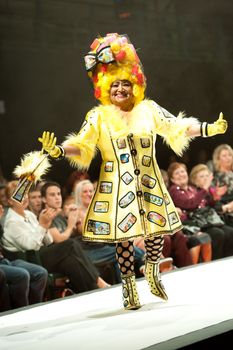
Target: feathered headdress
[112, 58]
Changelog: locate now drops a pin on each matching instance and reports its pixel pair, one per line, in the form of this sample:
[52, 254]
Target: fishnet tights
[154, 247]
[125, 253]
[125, 257]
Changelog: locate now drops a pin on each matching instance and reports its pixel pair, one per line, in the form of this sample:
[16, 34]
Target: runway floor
[200, 308]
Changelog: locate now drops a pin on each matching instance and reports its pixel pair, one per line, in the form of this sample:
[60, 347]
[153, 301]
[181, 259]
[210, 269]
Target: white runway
[200, 306]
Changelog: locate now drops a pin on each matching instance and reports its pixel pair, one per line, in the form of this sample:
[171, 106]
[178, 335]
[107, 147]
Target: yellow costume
[131, 198]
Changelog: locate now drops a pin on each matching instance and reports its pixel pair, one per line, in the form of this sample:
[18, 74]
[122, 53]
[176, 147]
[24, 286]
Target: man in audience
[65, 224]
[35, 201]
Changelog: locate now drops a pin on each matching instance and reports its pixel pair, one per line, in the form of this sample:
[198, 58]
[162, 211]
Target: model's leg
[154, 247]
[125, 258]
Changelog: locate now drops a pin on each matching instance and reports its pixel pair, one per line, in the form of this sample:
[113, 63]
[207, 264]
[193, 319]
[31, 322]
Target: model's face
[121, 94]
[180, 177]
[53, 198]
[35, 201]
[86, 194]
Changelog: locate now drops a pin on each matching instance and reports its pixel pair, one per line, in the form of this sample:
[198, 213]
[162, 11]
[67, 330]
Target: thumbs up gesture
[218, 127]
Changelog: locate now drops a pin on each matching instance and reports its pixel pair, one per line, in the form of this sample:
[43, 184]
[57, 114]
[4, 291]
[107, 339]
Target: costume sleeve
[85, 140]
[173, 129]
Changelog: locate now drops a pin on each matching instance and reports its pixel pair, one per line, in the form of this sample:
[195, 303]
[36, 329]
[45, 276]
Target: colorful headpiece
[111, 58]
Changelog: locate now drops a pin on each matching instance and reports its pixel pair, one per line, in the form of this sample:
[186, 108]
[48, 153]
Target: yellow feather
[32, 163]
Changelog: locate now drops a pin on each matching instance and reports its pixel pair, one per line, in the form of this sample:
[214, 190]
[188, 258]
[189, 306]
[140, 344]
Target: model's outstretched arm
[49, 146]
[205, 129]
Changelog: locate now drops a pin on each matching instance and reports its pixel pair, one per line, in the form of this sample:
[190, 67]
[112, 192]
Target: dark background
[185, 47]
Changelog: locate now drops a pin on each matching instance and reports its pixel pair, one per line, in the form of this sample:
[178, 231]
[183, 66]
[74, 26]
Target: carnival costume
[131, 199]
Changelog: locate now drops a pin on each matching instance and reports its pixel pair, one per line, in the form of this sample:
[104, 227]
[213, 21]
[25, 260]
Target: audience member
[21, 283]
[22, 232]
[34, 200]
[223, 176]
[189, 199]
[184, 250]
[62, 226]
[74, 177]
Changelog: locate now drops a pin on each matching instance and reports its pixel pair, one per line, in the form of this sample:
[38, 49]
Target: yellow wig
[113, 58]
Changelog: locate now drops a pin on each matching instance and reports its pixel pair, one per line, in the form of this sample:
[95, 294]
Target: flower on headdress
[97, 92]
[95, 78]
[135, 69]
[104, 68]
[120, 55]
[140, 78]
[138, 74]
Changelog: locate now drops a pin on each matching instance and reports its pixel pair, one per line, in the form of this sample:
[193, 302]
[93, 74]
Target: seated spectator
[62, 226]
[99, 252]
[21, 283]
[26, 281]
[72, 180]
[223, 177]
[34, 200]
[189, 199]
[184, 249]
[22, 232]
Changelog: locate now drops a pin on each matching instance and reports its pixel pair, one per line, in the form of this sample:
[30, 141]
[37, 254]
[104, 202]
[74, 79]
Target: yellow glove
[218, 127]
[48, 141]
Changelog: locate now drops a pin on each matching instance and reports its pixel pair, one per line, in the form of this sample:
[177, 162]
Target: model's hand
[218, 127]
[48, 141]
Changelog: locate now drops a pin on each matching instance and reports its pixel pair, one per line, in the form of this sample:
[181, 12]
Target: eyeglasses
[105, 55]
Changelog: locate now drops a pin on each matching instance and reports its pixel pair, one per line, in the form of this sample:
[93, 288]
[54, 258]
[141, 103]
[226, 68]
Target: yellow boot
[153, 278]
[130, 294]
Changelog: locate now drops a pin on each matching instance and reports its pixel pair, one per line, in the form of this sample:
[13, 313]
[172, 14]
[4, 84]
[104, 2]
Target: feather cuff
[179, 141]
[87, 152]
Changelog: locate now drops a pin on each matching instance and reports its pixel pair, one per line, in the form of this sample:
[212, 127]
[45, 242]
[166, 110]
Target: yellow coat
[131, 199]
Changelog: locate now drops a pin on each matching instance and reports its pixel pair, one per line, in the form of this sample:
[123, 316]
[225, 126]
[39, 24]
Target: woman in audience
[223, 176]
[189, 198]
[185, 249]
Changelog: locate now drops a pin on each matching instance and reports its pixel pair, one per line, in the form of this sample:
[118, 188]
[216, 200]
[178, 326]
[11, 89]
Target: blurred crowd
[41, 238]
